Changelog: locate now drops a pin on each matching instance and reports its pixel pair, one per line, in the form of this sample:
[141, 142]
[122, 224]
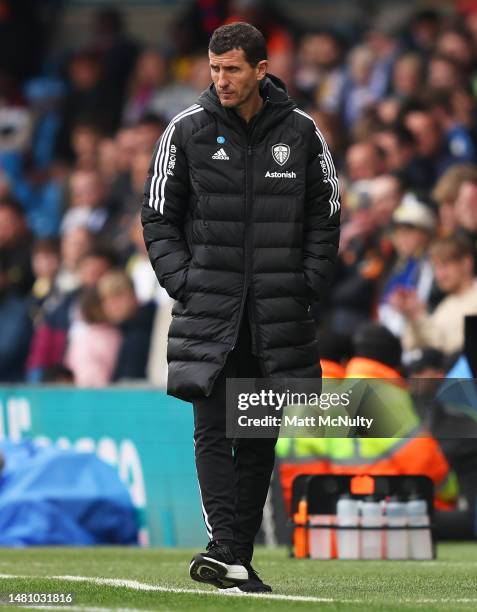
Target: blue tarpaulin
[50, 496]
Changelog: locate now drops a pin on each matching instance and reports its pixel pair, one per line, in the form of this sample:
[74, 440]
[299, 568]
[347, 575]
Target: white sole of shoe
[208, 570]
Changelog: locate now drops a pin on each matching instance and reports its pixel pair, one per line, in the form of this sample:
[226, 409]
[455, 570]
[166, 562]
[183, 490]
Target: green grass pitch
[128, 579]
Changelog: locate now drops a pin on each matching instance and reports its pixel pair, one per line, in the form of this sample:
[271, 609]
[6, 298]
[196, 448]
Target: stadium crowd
[396, 102]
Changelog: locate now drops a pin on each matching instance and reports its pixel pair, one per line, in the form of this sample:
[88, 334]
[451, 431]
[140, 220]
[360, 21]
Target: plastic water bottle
[420, 540]
[347, 515]
[300, 532]
[397, 540]
[371, 539]
[320, 539]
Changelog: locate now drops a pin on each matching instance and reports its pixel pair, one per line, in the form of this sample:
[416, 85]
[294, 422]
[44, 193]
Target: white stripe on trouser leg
[204, 513]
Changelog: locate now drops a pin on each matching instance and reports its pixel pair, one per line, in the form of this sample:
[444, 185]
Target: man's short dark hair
[240, 35]
[451, 248]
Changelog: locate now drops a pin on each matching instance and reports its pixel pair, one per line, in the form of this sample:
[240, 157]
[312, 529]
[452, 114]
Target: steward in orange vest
[377, 356]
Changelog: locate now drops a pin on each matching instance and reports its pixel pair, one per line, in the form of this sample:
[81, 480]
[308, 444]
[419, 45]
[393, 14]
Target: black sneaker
[218, 566]
[254, 584]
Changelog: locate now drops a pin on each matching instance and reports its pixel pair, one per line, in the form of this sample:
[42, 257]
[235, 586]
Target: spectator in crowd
[93, 343]
[424, 30]
[360, 264]
[446, 191]
[139, 267]
[466, 211]
[413, 228]
[148, 129]
[399, 149]
[407, 76]
[385, 195]
[16, 329]
[430, 142]
[458, 139]
[383, 40]
[364, 161]
[115, 50]
[149, 75]
[85, 139]
[90, 95]
[358, 92]
[456, 43]
[444, 74]
[87, 207]
[135, 321]
[107, 161]
[45, 265]
[74, 244]
[117, 230]
[50, 337]
[15, 247]
[193, 78]
[320, 76]
[453, 265]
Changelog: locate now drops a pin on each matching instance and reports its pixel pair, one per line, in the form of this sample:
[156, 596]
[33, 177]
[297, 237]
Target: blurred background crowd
[395, 97]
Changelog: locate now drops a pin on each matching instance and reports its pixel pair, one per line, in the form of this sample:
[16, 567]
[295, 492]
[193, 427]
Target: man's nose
[222, 82]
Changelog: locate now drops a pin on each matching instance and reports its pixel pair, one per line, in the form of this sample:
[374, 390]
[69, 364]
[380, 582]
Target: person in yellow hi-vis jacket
[412, 451]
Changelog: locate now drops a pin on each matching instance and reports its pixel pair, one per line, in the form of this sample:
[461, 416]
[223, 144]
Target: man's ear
[261, 69]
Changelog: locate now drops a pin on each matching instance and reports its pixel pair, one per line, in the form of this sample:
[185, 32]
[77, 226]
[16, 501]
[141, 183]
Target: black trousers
[234, 475]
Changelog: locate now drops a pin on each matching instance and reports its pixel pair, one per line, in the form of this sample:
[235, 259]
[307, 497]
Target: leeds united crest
[281, 153]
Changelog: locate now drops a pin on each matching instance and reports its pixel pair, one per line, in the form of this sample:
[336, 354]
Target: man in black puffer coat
[241, 223]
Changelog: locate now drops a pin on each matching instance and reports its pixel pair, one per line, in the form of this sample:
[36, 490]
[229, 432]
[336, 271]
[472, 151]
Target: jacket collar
[277, 105]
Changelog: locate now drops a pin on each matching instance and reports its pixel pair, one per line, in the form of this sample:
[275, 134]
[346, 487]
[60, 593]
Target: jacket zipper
[248, 194]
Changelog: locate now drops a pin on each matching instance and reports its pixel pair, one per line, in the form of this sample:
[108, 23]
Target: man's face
[119, 307]
[86, 189]
[466, 206]
[426, 132]
[449, 274]
[362, 161]
[385, 197]
[234, 78]
[409, 241]
[91, 269]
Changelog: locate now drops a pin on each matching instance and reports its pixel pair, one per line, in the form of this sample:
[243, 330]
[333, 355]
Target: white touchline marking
[66, 607]
[143, 586]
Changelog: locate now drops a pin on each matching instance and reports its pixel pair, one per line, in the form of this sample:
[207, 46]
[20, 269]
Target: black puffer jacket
[237, 214]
